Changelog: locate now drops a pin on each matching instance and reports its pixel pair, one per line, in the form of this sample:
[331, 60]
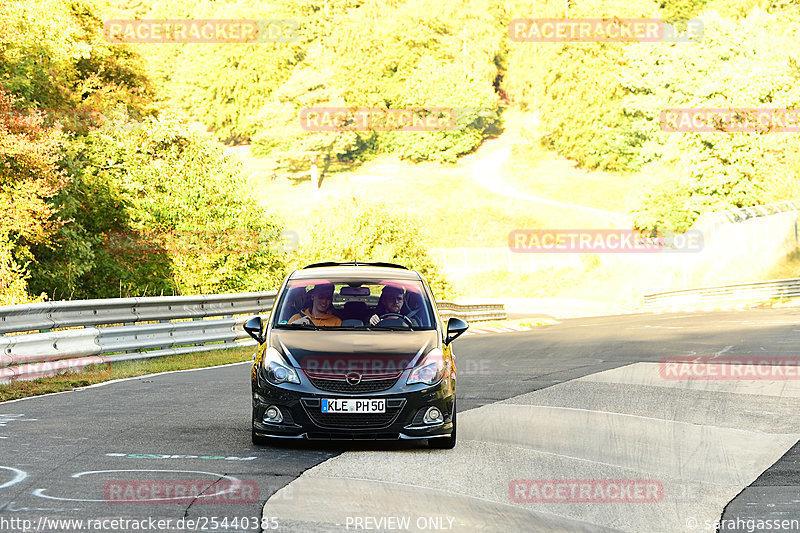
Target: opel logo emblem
[353, 378]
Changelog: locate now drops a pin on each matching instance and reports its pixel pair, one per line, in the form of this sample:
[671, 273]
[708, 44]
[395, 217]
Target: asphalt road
[63, 456]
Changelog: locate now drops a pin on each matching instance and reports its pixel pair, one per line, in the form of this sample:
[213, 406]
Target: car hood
[366, 352]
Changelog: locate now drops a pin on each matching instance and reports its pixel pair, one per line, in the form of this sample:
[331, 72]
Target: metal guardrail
[471, 313]
[121, 329]
[727, 294]
[50, 315]
[746, 213]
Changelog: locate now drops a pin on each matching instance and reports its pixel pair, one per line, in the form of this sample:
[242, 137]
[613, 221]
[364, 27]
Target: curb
[508, 329]
[727, 307]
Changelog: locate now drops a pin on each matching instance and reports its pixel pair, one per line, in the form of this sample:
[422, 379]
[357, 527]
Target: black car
[355, 351]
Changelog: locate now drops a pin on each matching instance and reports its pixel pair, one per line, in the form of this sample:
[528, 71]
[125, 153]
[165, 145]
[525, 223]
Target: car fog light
[433, 416]
[273, 415]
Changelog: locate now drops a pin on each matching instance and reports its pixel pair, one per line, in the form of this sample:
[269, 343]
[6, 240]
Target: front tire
[445, 443]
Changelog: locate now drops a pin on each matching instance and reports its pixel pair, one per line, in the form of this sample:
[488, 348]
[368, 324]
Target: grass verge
[455, 211]
[446, 198]
[787, 268]
[124, 369]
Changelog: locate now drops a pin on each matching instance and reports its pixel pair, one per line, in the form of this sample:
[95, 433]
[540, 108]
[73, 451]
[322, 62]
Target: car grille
[312, 407]
[352, 436]
[340, 385]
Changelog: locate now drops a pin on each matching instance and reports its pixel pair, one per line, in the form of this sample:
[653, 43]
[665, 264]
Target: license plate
[353, 405]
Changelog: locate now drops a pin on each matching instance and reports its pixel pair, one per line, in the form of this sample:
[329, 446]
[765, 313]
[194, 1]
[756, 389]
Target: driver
[321, 311]
[391, 301]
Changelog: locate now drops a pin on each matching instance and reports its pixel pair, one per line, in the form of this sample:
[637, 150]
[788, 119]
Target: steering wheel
[398, 315]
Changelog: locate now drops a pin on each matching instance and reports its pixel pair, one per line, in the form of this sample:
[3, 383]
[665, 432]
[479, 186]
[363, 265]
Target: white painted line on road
[92, 472]
[40, 492]
[176, 456]
[11, 507]
[6, 419]
[19, 475]
[722, 351]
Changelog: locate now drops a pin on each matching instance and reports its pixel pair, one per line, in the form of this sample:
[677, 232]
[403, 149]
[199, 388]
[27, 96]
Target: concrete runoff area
[702, 441]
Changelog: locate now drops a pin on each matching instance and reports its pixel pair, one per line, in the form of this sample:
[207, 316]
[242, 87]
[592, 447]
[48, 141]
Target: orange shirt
[327, 319]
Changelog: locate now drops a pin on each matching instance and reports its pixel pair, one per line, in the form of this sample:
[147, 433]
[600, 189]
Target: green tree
[157, 209]
[729, 68]
[278, 125]
[372, 232]
[53, 57]
[576, 87]
[224, 85]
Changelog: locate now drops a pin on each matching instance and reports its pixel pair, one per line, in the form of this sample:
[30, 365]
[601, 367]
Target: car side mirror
[455, 327]
[253, 328]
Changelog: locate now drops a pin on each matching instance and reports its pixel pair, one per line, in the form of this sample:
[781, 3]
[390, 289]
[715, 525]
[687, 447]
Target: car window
[399, 304]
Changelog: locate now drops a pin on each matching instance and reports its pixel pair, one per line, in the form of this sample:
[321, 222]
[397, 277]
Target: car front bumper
[300, 406]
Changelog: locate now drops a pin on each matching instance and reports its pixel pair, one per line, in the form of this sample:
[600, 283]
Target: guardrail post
[129, 324]
[230, 343]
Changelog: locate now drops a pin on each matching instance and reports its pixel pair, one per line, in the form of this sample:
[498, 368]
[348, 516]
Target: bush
[157, 209]
[372, 232]
[149, 208]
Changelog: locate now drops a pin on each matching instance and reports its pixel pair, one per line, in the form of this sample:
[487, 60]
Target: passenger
[321, 311]
[391, 301]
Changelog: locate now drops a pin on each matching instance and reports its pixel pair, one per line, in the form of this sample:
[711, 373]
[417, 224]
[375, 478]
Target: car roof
[355, 272]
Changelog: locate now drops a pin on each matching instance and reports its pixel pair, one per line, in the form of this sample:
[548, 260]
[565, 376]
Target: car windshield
[374, 305]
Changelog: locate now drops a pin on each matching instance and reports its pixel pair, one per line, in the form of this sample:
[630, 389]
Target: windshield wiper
[298, 326]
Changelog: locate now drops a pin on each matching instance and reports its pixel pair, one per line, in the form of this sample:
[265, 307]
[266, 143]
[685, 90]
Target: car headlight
[276, 369]
[430, 371]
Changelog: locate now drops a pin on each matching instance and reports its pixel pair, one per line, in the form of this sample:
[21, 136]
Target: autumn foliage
[29, 175]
